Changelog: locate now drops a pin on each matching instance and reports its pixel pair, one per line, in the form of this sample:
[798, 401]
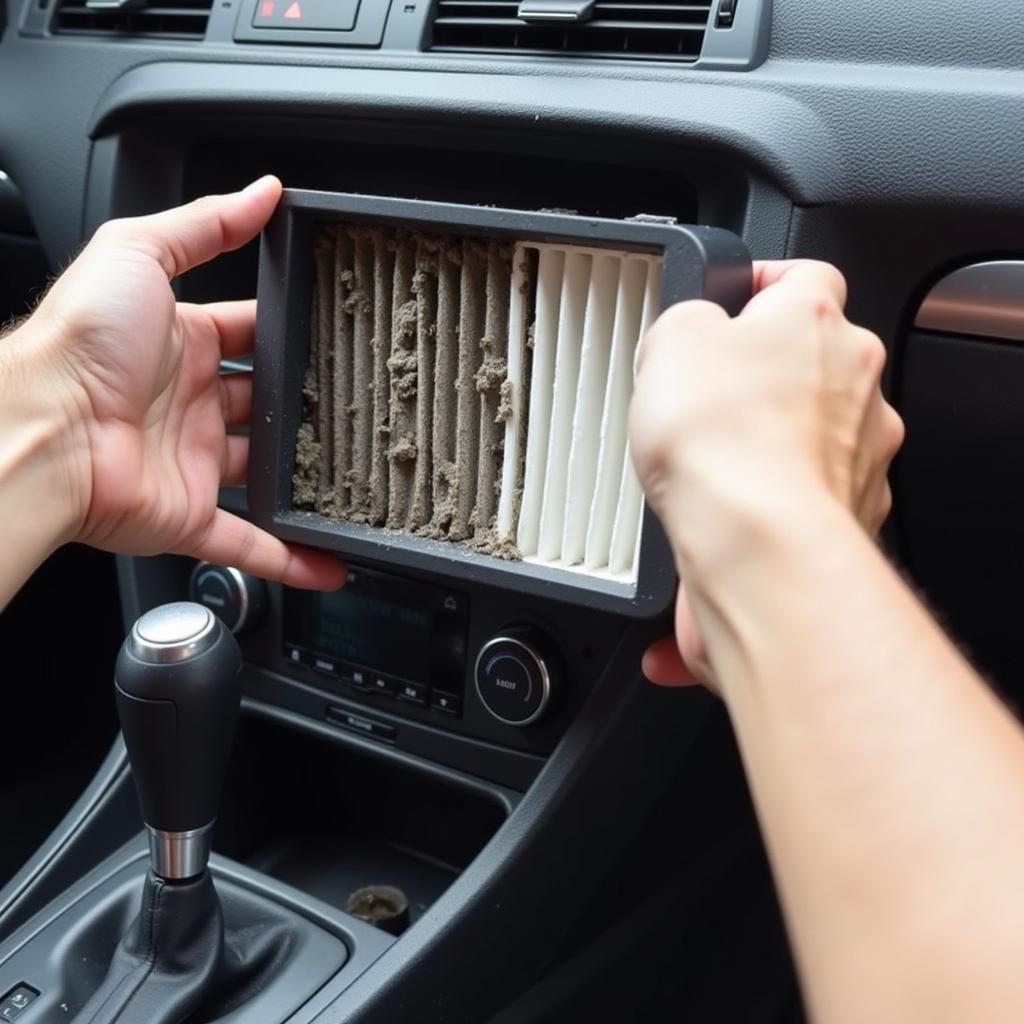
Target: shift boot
[169, 961]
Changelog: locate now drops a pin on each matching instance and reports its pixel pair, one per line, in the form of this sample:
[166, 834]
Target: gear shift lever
[178, 695]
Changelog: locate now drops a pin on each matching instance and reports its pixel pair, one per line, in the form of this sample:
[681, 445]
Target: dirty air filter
[447, 387]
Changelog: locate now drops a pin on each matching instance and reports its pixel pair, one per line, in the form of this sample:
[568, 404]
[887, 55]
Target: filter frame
[698, 262]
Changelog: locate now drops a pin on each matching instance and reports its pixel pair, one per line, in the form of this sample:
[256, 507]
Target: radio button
[383, 684]
[361, 680]
[449, 703]
[513, 679]
[360, 724]
[295, 655]
[236, 598]
[326, 666]
[413, 693]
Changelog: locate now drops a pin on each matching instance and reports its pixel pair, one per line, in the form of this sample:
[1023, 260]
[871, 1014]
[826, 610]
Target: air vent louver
[164, 19]
[474, 391]
[653, 29]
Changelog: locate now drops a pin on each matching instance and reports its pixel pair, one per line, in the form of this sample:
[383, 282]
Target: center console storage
[329, 820]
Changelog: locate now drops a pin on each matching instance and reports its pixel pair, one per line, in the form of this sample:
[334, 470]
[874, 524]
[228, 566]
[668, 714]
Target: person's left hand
[137, 375]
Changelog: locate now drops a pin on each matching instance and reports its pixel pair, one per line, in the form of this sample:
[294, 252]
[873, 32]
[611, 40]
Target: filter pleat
[340, 340]
[402, 368]
[615, 419]
[515, 394]
[626, 532]
[472, 299]
[544, 341]
[595, 355]
[446, 390]
[383, 284]
[572, 313]
[490, 378]
[360, 303]
[425, 289]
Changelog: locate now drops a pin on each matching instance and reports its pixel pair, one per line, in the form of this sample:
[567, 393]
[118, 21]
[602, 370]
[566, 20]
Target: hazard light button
[323, 15]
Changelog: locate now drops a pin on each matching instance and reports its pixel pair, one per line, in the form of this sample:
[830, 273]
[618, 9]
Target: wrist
[43, 441]
[741, 515]
[750, 547]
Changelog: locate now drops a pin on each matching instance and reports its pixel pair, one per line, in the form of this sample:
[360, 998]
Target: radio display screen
[384, 624]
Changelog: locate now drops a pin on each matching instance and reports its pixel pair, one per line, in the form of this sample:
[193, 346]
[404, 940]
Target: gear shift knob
[178, 693]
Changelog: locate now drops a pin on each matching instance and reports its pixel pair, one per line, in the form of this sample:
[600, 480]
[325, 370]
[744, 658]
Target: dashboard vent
[652, 29]
[164, 19]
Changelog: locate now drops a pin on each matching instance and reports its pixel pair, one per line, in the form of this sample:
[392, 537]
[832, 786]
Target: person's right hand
[739, 426]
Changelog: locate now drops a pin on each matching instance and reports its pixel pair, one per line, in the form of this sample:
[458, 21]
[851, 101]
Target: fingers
[189, 235]
[233, 541]
[680, 321]
[812, 274]
[785, 290]
[235, 470]
[882, 438]
[235, 324]
[663, 665]
[236, 399]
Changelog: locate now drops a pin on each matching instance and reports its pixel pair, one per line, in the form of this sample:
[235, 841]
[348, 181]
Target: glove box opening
[329, 820]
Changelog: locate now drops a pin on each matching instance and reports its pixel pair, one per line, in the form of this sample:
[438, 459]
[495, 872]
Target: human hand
[738, 425]
[136, 375]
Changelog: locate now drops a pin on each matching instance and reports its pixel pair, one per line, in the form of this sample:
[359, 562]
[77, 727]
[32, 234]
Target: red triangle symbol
[294, 13]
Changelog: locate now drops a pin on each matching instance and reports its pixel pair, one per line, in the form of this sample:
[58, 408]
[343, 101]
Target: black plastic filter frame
[698, 262]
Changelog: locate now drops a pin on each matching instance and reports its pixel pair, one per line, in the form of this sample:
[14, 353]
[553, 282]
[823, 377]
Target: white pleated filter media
[477, 392]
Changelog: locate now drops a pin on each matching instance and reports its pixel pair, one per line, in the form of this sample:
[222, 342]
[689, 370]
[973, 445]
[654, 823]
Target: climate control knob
[514, 677]
[235, 597]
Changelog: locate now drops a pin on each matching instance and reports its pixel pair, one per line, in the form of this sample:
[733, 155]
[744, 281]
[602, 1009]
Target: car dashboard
[377, 741]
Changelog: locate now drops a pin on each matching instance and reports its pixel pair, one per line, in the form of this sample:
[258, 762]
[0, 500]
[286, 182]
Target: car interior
[445, 793]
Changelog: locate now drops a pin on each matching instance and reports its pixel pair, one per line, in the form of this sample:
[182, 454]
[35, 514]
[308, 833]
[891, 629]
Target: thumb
[186, 236]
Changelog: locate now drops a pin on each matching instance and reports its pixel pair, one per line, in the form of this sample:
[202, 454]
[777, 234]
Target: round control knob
[513, 678]
[235, 597]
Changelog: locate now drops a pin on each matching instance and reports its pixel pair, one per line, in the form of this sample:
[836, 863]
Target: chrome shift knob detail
[178, 856]
[173, 632]
[178, 694]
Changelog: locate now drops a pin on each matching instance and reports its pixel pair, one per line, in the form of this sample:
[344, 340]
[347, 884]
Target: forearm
[888, 778]
[37, 439]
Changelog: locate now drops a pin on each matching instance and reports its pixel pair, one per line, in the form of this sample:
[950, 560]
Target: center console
[429, 729]
[457, 676]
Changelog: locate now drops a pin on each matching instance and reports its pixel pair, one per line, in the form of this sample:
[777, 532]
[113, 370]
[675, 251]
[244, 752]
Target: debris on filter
[489, 543]
[383, 271]
[407, 395]
[307, 465]
[445, 479]
[505, 410]
[425, 287]
[404, 450]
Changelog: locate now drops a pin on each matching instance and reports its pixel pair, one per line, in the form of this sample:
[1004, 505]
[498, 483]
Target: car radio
[382, 634]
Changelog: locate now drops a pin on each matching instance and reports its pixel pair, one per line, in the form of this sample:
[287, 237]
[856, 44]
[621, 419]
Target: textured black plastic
[698, 262]
[179, 722]
[960, 480]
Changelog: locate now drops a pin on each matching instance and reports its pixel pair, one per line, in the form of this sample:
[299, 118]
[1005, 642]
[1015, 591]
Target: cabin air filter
[447, 388]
